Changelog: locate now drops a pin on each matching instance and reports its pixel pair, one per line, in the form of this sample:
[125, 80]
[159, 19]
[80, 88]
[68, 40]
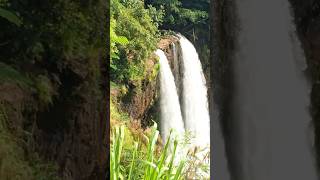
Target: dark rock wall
[142, 104]
[222, 47]
[307, 18]
[73, 131]
[224, 27]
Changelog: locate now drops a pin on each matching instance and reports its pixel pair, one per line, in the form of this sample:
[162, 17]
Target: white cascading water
[169, 101]
[271, 117]
[194, 102]
[194, 95]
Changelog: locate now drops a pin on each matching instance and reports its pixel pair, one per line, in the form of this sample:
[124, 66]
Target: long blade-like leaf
[10, 17]
[133, 159]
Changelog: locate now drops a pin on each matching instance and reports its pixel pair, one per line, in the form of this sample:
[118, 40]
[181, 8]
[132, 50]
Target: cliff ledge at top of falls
[165, 45]
[165, 42]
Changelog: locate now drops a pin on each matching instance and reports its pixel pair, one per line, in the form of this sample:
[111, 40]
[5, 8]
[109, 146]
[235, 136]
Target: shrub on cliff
[139, 25]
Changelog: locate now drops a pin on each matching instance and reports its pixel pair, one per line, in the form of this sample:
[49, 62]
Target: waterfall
[271, 120]
[194, 95]
[169, 101]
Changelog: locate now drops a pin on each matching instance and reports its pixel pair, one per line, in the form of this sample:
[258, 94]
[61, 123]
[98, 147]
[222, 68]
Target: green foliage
[194, 16]
[179, 13]
[44, 90]
[11, 17]
[117, 114]
[52, 31]
[78, 31]
[153, 166]
[12, 163]
[155, 72]
[134, 154]
[143, 158]
[131, 21]
[115, 155]
[41, 83]
[114, 41]
[9, 74]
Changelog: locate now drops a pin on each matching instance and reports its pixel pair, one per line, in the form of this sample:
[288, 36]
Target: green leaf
[10, 17]
[121, 40]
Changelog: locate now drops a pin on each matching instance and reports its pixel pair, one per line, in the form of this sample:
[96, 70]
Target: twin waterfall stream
[183, 95]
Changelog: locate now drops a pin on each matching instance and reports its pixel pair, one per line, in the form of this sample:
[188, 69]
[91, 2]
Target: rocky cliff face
[73, 130]
[142, 104]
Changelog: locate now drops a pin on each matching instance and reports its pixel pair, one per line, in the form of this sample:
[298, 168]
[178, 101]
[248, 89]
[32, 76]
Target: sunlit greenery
[150, 166]
[182, 13]
[134, 35]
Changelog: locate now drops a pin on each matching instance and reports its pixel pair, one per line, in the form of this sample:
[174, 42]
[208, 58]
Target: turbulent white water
[271, 118]
[194, 95]
[169, 101]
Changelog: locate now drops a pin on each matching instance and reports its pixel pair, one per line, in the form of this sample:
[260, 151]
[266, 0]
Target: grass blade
[133, 159]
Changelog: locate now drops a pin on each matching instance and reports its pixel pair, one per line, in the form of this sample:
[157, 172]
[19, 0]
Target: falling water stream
[271, 121]
[169, 101]
[188, 87]
[194, 107]
[194, 96]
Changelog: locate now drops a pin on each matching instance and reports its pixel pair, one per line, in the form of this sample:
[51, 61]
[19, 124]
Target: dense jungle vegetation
[51, 89]
[136, 27]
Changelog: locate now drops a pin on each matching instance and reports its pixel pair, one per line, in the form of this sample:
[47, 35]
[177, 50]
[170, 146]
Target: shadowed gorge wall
[224, 35]
[307, 18]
